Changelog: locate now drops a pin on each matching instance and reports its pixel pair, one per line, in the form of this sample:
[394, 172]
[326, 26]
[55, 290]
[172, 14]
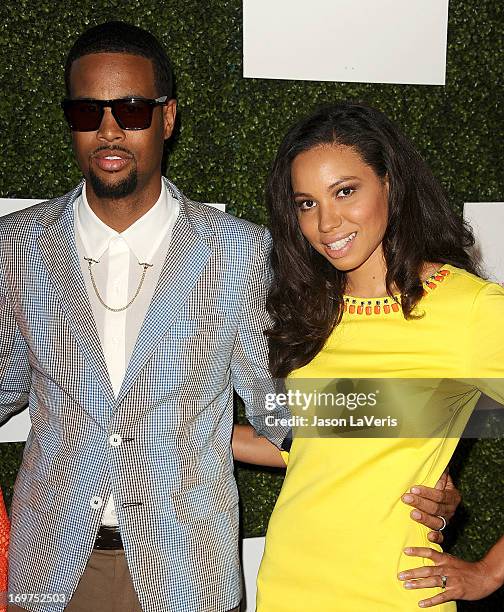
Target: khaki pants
[105, 585]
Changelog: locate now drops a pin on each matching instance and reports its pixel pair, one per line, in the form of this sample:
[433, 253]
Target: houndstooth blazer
[162, 447]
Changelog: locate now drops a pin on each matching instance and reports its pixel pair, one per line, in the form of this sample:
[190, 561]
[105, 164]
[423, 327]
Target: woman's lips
[337, 253]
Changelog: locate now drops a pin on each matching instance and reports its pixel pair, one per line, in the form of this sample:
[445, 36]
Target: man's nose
[109, 129]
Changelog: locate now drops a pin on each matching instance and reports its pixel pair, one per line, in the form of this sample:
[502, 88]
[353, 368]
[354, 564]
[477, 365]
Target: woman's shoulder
[476, 293]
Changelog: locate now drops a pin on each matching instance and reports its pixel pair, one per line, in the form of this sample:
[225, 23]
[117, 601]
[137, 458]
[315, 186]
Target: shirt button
[115, 440]
[96, 502]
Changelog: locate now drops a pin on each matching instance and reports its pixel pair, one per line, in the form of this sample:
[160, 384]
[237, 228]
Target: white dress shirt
[117, 277]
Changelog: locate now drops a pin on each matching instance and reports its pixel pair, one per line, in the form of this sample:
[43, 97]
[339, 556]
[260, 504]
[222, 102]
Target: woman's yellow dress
[336, 536]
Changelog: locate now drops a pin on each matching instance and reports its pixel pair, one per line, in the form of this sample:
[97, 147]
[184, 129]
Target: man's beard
[114, 191]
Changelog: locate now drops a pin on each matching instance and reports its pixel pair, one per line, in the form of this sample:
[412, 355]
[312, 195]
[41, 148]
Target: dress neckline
[387, 305]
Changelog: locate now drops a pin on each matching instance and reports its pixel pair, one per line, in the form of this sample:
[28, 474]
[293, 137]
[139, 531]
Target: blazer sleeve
[249, 361]
[15, 371]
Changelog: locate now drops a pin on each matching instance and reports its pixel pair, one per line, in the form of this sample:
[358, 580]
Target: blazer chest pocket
[206, 324]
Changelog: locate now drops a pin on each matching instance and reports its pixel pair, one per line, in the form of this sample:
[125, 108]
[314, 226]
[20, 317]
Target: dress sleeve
[485, 351]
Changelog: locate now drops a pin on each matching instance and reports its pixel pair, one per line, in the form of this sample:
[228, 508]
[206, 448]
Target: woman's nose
[329, 218]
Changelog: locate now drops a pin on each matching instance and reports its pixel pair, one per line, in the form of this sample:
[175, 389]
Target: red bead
[386, 309]
[360, 309]
[431, 285]
[439, 278]
[395, 307]
[351, 310]
[369, 310]
[345, 307]
[377, 309]
[444, 272]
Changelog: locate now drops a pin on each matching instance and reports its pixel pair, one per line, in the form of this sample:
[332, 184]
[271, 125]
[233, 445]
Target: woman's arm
[248, 447]
[431, 504]
[462, 579]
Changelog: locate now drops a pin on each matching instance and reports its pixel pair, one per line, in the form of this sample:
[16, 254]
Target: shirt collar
[96, 235]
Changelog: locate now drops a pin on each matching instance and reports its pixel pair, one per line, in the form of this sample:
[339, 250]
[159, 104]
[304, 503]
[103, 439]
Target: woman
[372, 280]
[4, 545]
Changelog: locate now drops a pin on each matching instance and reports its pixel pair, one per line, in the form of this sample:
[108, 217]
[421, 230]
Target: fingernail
[401, 576]
[408, 585]
[415, 490]
[416, 515]
[421, 604]
[407, 551]
[408, 498]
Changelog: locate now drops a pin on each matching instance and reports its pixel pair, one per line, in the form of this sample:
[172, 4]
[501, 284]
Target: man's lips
[111, 160]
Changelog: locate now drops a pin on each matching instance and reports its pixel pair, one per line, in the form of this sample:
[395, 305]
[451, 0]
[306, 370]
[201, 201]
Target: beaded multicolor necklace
[360, 306]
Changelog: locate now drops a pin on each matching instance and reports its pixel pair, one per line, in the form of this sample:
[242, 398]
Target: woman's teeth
[339, 244]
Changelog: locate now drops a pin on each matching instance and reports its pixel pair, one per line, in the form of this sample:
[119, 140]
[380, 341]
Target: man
[128, 314]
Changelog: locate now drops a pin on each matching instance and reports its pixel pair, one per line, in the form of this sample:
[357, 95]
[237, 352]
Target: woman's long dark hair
[306, 296]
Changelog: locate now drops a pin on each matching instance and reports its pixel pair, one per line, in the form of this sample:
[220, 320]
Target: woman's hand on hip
[459, 579]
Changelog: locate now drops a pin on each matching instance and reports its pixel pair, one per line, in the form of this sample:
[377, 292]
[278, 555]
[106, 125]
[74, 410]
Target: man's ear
[169, 115]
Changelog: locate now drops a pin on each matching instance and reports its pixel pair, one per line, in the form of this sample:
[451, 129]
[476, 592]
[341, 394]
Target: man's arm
[15, 372]
[249, 361]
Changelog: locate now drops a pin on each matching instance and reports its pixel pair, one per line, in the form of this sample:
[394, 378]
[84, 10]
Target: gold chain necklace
[93, 282]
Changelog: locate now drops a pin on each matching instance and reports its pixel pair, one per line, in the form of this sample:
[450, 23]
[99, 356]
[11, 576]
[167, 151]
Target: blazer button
[115, 440]
[96, 502]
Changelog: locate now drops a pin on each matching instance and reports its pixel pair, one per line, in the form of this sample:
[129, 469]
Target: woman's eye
[345, 192]
[306, 205]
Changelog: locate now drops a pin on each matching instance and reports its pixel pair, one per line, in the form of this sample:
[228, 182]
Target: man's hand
[430, 504]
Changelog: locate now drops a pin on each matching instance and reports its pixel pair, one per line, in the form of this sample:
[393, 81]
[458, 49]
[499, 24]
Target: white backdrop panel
[8, 205]
[253, 549]
[487, 221]
[368, 41]
[17, 428]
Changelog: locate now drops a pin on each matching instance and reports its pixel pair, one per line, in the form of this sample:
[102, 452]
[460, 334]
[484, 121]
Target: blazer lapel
[59, 253]
[187, 256]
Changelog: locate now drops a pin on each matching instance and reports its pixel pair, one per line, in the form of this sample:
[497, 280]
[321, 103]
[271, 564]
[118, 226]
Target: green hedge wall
[229, 130]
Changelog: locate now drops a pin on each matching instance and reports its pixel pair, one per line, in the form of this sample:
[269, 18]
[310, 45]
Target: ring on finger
[444, 522]
[444, 580]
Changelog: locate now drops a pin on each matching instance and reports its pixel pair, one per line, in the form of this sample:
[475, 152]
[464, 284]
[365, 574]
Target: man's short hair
[121, 37]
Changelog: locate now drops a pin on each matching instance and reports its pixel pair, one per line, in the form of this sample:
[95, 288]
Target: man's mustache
[112, 148]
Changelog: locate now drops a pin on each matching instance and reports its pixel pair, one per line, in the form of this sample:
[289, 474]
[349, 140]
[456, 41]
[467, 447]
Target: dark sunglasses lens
[133, 114]
[83, 116]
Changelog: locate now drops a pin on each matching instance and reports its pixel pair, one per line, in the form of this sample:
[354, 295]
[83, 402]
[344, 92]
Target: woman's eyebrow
[341, 180]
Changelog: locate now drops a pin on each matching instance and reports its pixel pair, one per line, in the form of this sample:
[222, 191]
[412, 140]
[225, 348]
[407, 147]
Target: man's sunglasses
[130, 113]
